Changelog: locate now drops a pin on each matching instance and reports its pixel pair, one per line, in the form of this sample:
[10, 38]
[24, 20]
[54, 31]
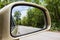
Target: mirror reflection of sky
[23, 10]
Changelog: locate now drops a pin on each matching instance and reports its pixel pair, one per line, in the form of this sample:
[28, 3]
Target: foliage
[54, 9]
[34, 18]
[52, 5]
[4, 3]
[17, 15]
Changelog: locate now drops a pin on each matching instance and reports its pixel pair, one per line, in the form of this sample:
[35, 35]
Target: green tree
[4, 3]
[17, 15]
[24, 21]
[34, 18]
[54, 8]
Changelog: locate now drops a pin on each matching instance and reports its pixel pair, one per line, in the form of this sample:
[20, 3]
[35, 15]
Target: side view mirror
[22, 18]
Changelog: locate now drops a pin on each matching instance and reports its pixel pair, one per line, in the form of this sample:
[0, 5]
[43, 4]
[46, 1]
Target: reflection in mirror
[26, 19]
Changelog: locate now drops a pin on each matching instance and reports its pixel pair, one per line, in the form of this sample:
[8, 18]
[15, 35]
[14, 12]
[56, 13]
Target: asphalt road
[42, 35]
[45, 35]
[26, 29]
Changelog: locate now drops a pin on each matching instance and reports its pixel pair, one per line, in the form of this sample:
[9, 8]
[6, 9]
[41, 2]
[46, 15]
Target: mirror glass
[26, 19]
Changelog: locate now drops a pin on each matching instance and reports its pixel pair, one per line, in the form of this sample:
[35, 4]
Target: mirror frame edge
[48, 19]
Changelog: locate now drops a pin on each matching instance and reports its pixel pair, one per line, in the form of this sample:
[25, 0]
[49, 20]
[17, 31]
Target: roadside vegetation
[52, 5]
[34, 18]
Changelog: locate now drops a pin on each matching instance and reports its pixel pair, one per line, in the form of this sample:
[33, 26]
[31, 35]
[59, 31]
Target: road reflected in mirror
[26, 19]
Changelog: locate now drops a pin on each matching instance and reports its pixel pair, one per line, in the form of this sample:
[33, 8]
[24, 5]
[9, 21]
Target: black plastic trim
[30, 32]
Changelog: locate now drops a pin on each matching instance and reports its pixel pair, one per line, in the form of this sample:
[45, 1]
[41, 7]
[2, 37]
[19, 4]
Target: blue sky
[22, 9]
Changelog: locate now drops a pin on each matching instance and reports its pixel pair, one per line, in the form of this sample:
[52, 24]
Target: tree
[54, 8]
[4, 3]
[17, 15]
[34, 18]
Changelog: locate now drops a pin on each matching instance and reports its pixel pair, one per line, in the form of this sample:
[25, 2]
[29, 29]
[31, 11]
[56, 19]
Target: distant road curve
[42, 35]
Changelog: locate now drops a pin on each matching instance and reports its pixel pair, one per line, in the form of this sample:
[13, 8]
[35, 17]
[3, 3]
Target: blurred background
[52, 5]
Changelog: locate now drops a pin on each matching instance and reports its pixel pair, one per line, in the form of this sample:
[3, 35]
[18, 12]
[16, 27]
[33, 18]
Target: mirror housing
[5, 19]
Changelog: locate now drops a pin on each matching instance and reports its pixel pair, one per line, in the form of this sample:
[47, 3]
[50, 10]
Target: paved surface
[42, 36]
[26, 29]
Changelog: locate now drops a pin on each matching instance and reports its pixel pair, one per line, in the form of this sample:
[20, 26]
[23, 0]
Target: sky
[22, 9]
